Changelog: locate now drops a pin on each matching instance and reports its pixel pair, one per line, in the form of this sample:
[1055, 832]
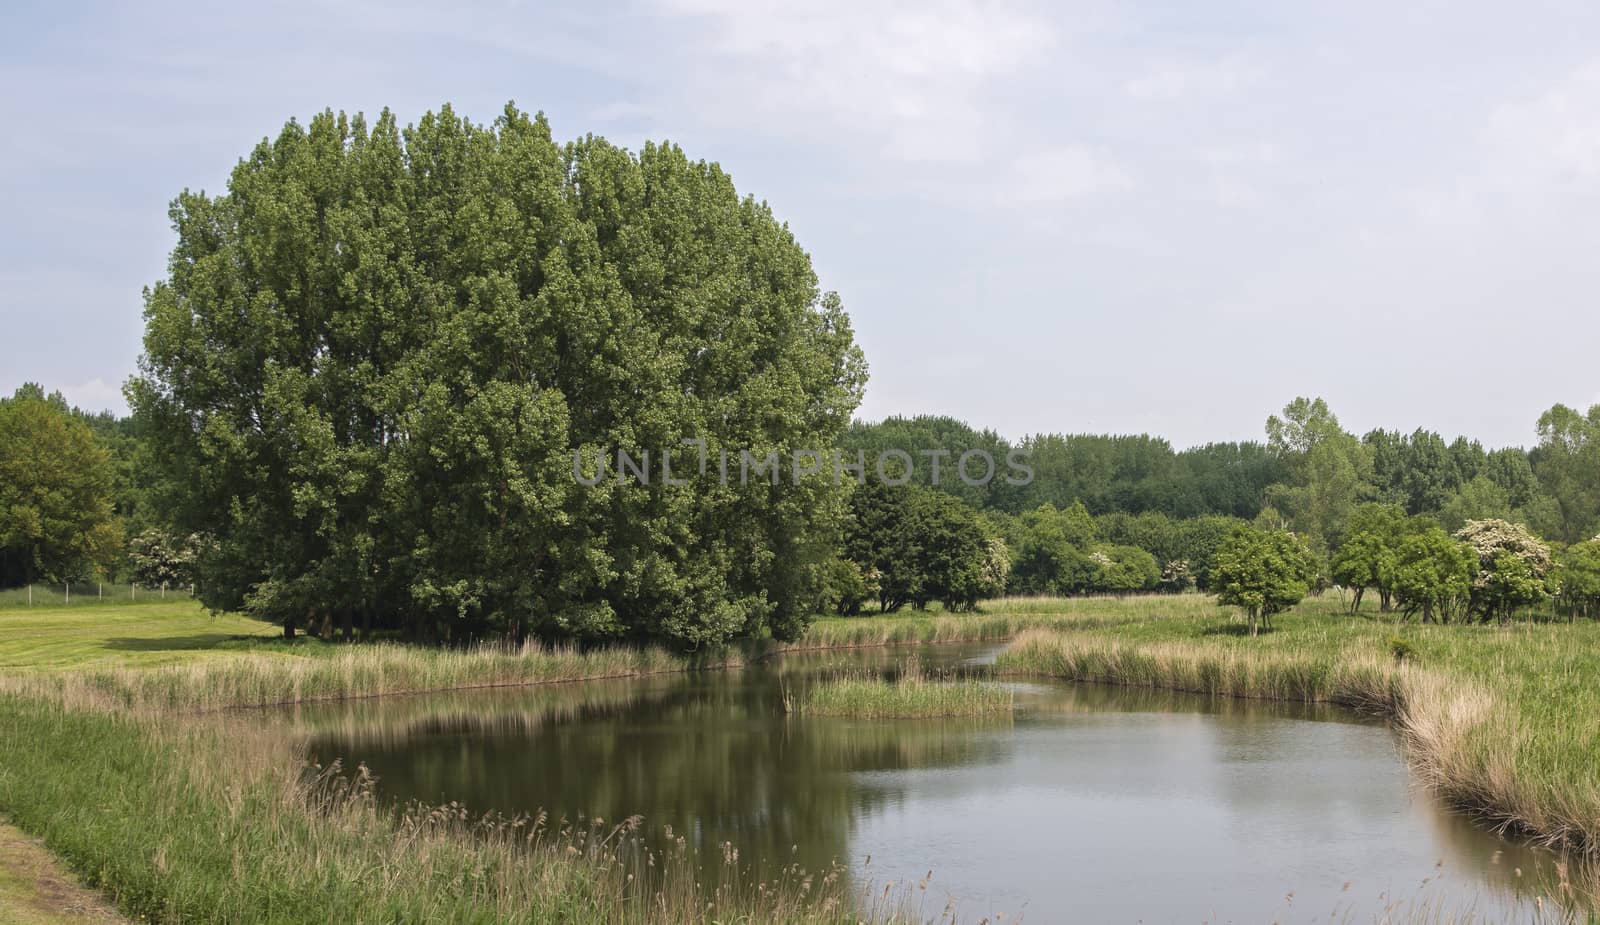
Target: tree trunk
[348, 627]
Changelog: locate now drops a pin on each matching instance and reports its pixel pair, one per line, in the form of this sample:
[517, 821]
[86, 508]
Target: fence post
[66, 590]
[100, 591]
[30, 594]
[136, 590]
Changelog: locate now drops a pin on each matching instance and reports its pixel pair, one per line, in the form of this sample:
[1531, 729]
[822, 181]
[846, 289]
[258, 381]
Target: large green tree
[373, 358]
[57, 521]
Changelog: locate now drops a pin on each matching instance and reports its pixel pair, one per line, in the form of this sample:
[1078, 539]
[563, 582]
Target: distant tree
[954, 552]
[1049, 553]
[1329, 470]
[1566, 462]
[1263, 573]
[1199, 540]
[160, 558]
[1125, 569]
[1479, 499]
[1511, 567]
[1577, 579]
[1433, 574]
[1367, 557]
[1419, 472]
[930, 439]
[56, 516]
[1223, 479]
[1177, 577]
[1151, 531]
[921, 545]
[1131, 473]
[877, 537]
[845, 588]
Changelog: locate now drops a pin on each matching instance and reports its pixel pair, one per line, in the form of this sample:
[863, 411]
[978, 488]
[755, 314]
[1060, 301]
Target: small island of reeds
[913, 694]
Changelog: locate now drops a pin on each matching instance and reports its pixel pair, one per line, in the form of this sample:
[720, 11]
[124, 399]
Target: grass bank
[912, 694]
[214, 821]
[1499, 721]
[998, 621]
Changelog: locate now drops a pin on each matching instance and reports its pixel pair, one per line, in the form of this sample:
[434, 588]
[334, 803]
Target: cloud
[1067, 172]
[96, 395]
[912, 80]
[1553, 136]
[1171, 81]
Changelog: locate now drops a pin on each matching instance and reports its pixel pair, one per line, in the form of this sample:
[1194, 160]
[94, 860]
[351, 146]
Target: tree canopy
[373, 358]
[1263, 572]
[57, 520]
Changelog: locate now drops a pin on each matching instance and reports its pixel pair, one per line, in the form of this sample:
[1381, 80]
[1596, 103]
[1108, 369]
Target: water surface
[1091, 803]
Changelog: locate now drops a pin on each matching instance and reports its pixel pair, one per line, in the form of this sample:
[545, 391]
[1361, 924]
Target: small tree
[1577, 579]
[1433, 574]
[1263, 572]
[1125, 569]
[1512, 565]
[1048, 557]
[846, 587]
[1367, 557]
[1176, 577]
[162, 559]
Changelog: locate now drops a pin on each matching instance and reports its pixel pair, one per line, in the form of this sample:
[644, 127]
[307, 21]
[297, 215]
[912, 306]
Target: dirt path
[36, 890]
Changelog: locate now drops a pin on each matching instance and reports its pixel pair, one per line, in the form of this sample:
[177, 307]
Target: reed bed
[913, 694]
[375, 670]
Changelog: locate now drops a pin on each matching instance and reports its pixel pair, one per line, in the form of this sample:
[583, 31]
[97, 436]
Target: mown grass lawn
[127, 635]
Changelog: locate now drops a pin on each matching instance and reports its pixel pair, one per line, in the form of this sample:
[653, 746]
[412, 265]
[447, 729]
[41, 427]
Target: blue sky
[1162, 217]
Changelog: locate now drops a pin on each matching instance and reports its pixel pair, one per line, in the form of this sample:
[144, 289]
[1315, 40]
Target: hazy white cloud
[1174, 81]
[1060, 173]
[1554, 136]
[912, 81]
[95, 395]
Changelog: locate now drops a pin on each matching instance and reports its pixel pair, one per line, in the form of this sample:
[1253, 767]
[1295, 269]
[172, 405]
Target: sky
[1161, 217]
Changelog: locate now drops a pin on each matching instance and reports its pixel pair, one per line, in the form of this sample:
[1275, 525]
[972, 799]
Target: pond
[1090, 803]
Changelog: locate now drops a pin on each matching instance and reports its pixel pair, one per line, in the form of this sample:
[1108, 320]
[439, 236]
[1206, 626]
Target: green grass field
[135, 635]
